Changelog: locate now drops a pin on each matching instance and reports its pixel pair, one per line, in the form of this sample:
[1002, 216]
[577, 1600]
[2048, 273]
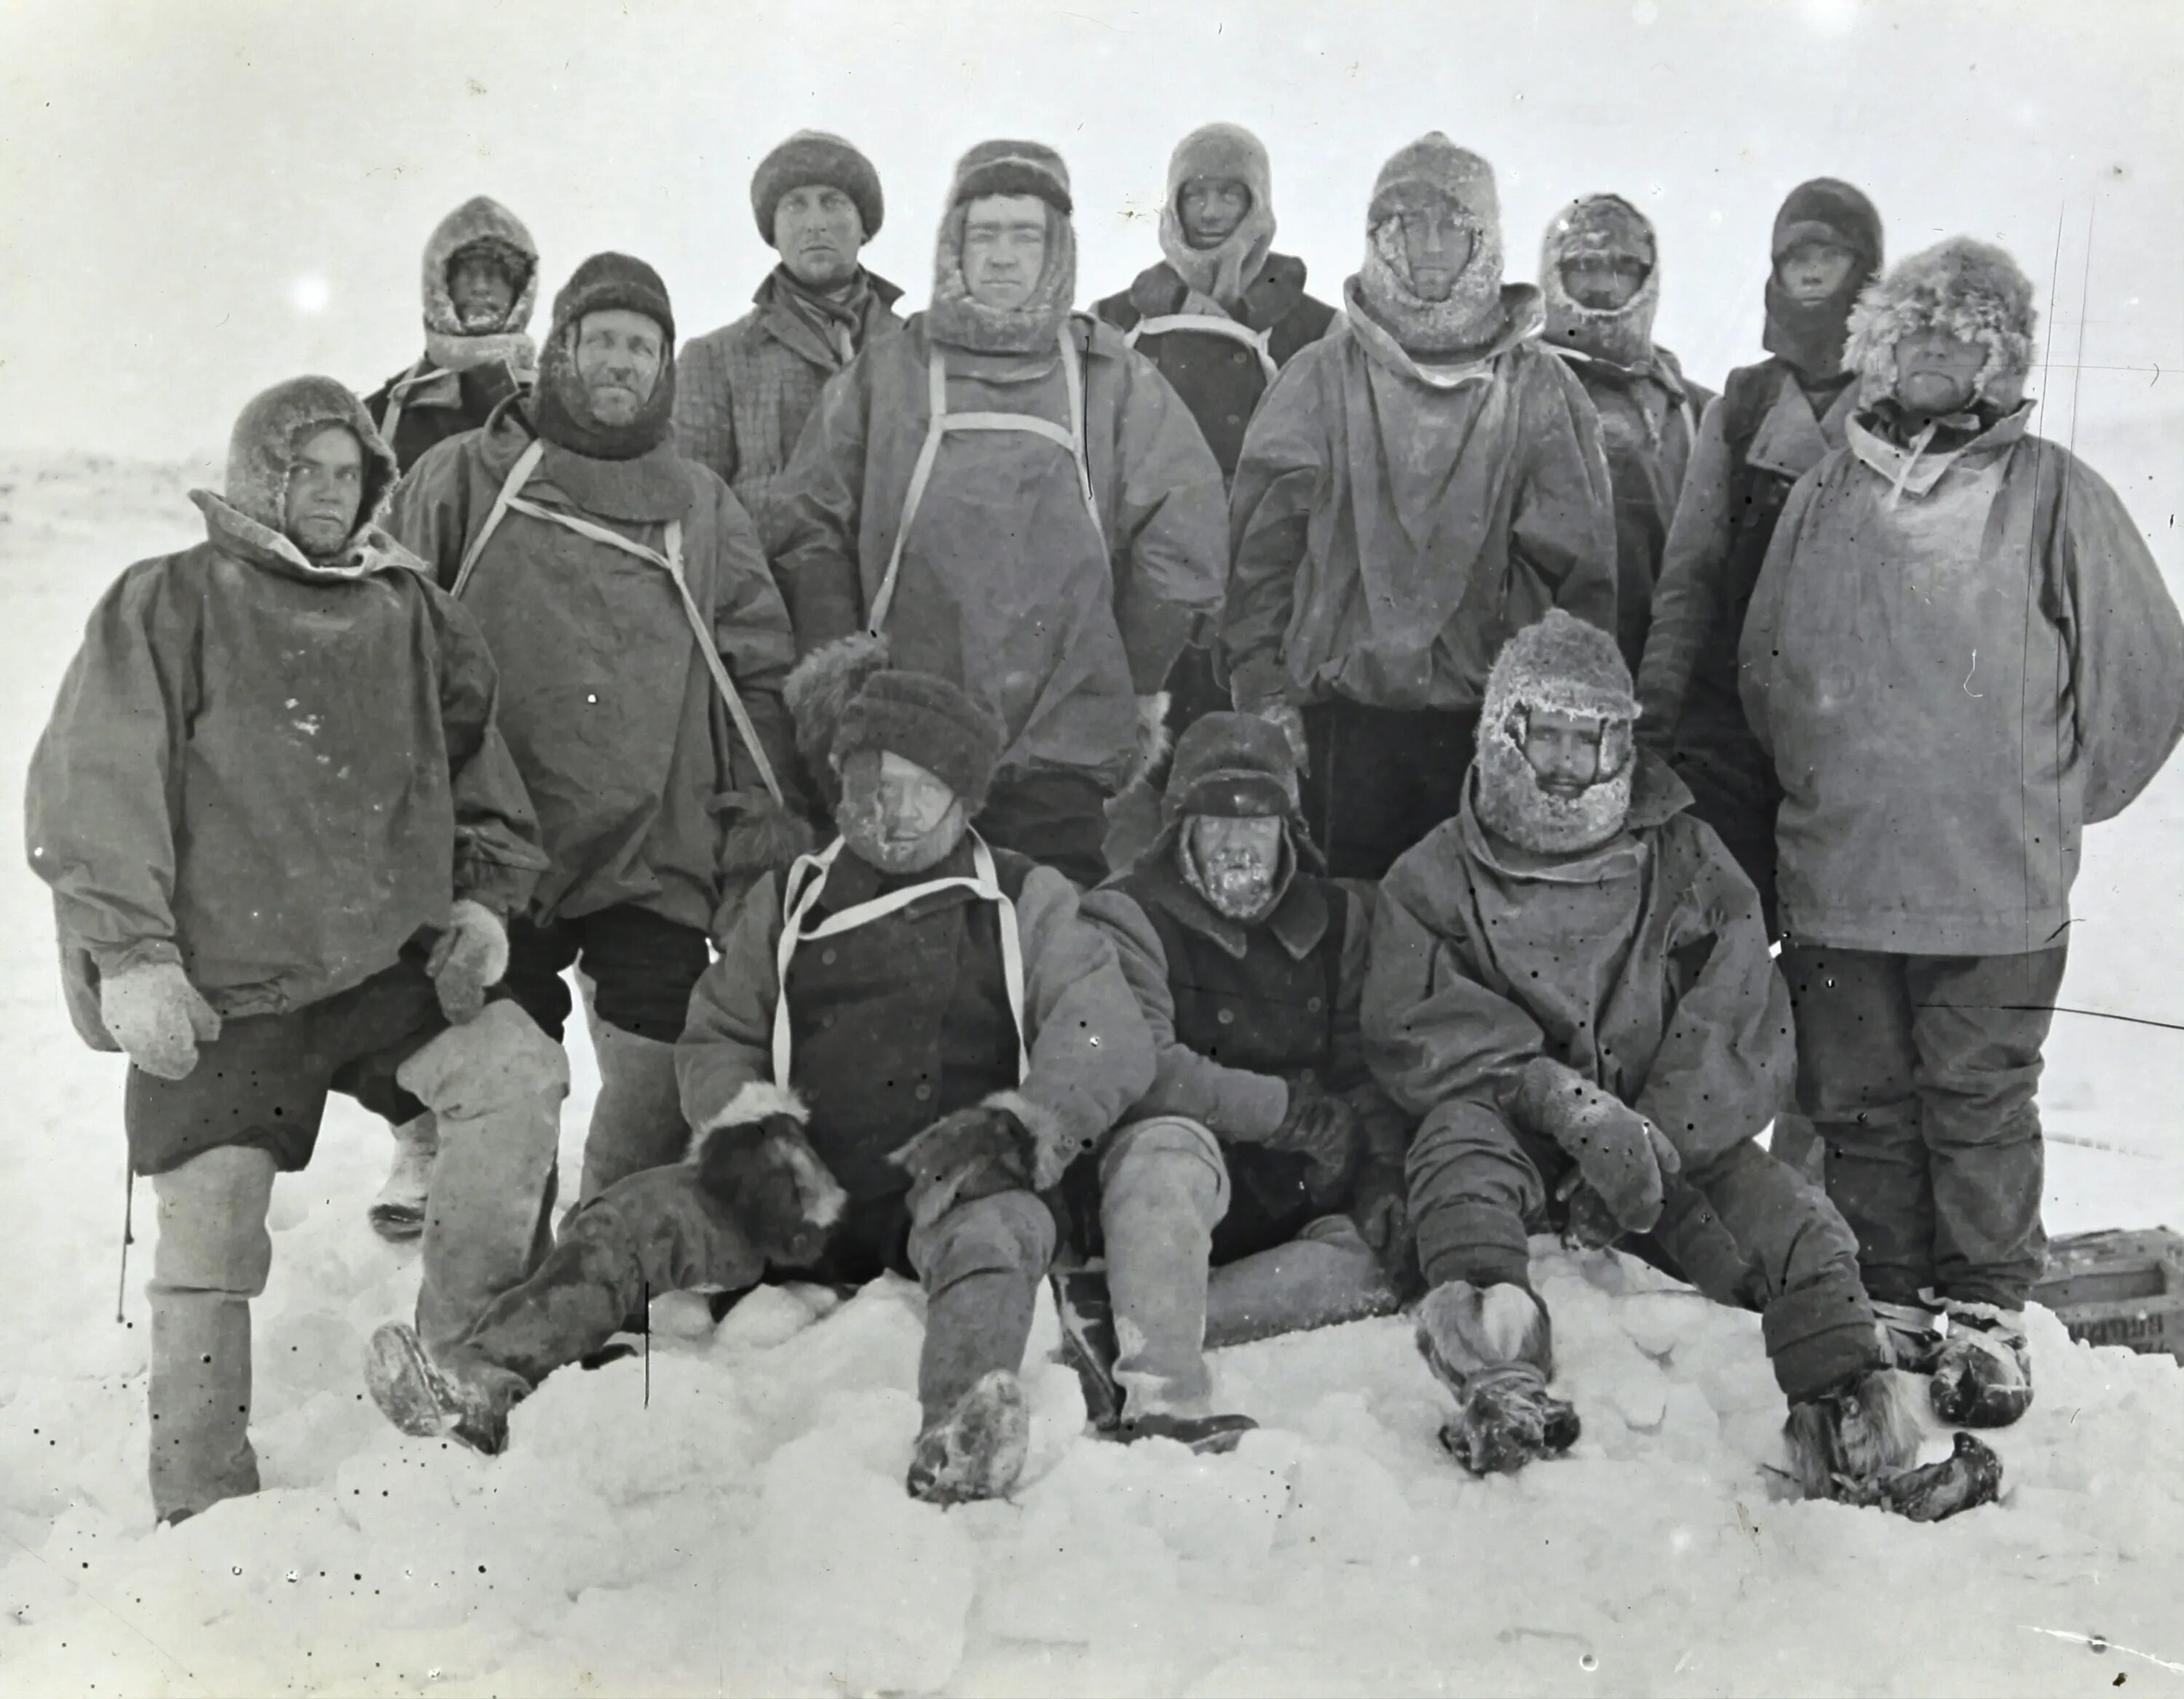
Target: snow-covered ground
[735, 1522]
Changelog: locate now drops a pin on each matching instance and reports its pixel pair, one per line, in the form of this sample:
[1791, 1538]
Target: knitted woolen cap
[816, 156]
[609, 282]
[1012, 167]
[923, 718]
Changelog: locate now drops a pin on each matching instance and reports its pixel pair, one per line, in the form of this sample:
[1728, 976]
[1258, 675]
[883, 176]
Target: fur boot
[1983, 1375]
[431, 1399]
[977, 1450]
[1847, 1440]
[1494, 1350]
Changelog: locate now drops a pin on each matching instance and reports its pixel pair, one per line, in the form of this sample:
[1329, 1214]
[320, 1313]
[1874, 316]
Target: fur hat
[605, 283]
[479, 224]
[815, 156]
[1809, 334]
[1564, 665]
[1232, 765]
[1608, 225]
[1012, 167]
[1230, 152]
[923, 718]
[1433, 170]
[1963, 289]
[819, 691]
[271, 430]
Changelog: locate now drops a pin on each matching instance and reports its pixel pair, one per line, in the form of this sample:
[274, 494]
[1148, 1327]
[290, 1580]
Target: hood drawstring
[1911, 461]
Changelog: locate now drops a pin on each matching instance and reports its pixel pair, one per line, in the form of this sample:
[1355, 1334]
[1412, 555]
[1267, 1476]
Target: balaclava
[1964, 288]
[1221, 273]
[1565, 666]
[1608, 226]
[1235, 767]
[1433, 170]
[272, 427]
[1004, 168]
[815, 156]
[603, 283]
[1810, 334]
[923, 718]
[479, 225]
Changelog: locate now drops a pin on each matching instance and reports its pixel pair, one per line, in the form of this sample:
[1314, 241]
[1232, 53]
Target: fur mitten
[1847, 1442]
[971, 1154]
[1622, 1155]
[471, 954]
[1323, 1129]
[159, 1017]
[773, 1184]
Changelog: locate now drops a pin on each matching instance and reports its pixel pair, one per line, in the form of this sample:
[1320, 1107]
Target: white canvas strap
[398, 397]
[800, 891]
[1254, 340]
[939, 422]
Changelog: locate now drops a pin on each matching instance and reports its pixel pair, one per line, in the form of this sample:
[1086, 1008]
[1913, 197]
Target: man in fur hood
[480, 282]
[1773, 423]
[1600, 269]
[1019, 502]
[1570, 982]
[1265, 1151]
[643, 647]
[902, 1043]
[283, 835]
[1424, 481]
[744, 392]
[1959, 655]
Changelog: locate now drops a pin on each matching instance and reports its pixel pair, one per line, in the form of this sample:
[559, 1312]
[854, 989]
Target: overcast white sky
[200, 197]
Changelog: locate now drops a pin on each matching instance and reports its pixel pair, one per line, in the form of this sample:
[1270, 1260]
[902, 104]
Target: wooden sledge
[2119, 1288]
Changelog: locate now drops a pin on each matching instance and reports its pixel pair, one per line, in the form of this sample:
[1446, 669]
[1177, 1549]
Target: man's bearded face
[1239, 862]
[895, 815]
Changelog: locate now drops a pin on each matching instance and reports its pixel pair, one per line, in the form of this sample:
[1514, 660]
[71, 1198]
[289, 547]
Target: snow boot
[1089, 1345]
[1494, 1350]
[1970, 1476]
[1983, 1377]
[1915, 1334]
[398, 1213]
[429, 1400]
[1854, 1436]
[977, 1450]
[1206, 1436]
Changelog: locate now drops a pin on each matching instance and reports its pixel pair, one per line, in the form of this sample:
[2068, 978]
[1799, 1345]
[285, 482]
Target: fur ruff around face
[1226, 151]
[270, 431]
[1563, 665]
[1963, 288]
[1030, 327]
[1433, 170]
[480, 221]
[1607, 225]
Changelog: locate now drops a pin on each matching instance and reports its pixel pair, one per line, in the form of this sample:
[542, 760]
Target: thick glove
[471, 954]
[157, 1016]
[1622, 1155]
[961, 1157]
[1323, 1129]
[774, 1186]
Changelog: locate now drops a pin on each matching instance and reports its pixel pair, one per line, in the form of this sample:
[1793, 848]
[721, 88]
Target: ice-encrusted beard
[890, 845]
[1515, 805]
[1240, 872]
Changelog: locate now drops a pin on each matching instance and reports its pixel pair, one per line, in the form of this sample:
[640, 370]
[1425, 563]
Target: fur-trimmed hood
[480, 221]
[248, 517]
[1602, 225]
[1221, 273]
[1433, 170]
[1968, 290]
[1560, 665]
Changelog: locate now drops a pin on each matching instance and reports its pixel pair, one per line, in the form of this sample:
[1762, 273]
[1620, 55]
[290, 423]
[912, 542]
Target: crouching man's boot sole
[1983, 1376]
[977, 1450]
[415, 1396]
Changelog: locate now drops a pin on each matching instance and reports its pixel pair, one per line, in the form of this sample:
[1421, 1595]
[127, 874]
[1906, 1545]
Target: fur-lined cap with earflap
[1610, 226]
[953, 316]
[269, 432]
[820, 158]
[1225, 153]
[480, 222]
[844, 697]
[1963, 288]
[1563, 665]
[819, 691]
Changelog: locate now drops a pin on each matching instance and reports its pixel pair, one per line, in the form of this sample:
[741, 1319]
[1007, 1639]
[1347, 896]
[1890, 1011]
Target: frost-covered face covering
[1557, 750]
[479, 281]
[1432, 275]
[1915, 330]
[1599, 271]
[896, 816]
[1236, 863]
[1019, 301]
[1218, 224]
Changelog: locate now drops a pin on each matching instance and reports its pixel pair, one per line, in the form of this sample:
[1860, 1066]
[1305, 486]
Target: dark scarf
[835, 314]
[563, 416]
[1889, 420]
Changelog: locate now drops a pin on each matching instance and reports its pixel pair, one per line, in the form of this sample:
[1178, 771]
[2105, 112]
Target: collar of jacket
[1916, 470]
[1661, 369]
[651, 488]
[368, 551]
[1656, 796]
[1523, 315]
[1298, 921]
[1158, 291]
[786, 325]
[853, 880]
[1792, 439]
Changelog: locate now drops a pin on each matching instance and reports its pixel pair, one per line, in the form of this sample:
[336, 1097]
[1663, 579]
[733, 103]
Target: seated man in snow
[1570, 982]
[283, 835]
[1263, 1124]
[902, 1043]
